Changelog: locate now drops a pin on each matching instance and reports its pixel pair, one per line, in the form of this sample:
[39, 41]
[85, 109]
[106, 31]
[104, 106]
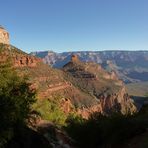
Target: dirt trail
[56, 88]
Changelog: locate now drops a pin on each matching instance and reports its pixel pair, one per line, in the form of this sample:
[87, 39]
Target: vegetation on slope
[50, 110]
[16, 99]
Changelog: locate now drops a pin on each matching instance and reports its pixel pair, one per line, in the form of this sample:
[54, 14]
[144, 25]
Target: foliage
[50, 109]
[16, 99]
[107, 131]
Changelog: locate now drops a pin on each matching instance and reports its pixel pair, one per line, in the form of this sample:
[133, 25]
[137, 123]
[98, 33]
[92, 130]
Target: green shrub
[50, 110]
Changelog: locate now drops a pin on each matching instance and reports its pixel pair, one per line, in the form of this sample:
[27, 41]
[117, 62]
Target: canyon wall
[4, 36]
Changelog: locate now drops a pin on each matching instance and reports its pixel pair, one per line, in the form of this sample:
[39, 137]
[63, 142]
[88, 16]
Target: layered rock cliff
[83, 87]
[131, 66]
[101, 85]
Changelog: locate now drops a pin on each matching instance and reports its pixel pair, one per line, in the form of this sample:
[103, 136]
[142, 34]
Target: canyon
[84, 85]
[129, 66]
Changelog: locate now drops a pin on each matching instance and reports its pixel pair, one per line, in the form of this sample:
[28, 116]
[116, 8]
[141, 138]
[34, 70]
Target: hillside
[90, 88]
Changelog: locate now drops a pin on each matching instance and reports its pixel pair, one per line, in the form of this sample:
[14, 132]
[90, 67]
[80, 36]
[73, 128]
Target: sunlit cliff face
[4, 36]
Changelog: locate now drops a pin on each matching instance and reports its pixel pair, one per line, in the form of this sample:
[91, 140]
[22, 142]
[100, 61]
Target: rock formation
[4, 36]
[19, 59]
[87, 87]
[101, 85]
[74, 58]
[22, 61]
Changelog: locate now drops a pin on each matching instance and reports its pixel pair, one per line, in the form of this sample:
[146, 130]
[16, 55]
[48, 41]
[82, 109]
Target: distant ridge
[131, 66]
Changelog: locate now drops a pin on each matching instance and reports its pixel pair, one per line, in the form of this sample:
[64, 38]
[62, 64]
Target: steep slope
[39, 74]
[105, 87]
[84, 87]
[48, 82]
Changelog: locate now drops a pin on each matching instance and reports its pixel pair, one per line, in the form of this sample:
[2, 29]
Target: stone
[4, 36]
[74, 58]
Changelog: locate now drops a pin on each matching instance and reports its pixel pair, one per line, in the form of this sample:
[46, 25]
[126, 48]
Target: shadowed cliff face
[85, 87]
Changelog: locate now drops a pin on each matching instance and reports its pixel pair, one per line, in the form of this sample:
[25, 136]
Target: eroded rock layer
[83, 87]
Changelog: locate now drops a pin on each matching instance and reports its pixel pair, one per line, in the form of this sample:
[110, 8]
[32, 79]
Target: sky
[72, 25]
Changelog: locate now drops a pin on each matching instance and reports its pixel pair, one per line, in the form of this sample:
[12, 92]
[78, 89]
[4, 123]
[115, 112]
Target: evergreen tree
[16, 99]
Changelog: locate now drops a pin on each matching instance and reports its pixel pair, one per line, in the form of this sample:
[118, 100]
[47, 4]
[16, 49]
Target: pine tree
[16, 99]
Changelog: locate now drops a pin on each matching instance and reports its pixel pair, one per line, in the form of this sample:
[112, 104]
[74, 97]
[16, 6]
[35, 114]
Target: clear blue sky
[64, 25]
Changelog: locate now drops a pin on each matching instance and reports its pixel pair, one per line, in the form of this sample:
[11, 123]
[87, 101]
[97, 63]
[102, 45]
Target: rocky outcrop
[66, 105]
[22, 61]
[119, 101]
[86, 112]
[74, 58]
[102, 85]
[4, 36]
[19, 60]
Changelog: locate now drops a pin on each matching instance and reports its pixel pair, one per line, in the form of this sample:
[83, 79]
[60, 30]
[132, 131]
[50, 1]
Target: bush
[50, 109]
[106, 131]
